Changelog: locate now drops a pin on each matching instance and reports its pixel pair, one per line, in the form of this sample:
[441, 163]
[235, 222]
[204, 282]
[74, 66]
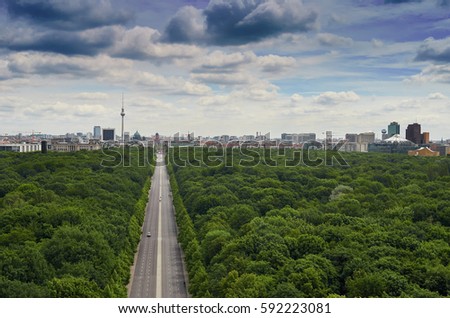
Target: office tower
[97, 132]
[109, 134]
[393, 129]
[329, 139]
[413, 133]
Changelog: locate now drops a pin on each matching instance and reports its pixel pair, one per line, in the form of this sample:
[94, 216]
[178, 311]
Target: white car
[149, 234]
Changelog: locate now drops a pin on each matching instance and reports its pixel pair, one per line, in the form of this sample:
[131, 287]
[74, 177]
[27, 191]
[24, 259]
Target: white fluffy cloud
[432, 73]
[275, 63]
[332, 98]
[33, 63]
[333, 40]
[196, 89]
[437, 96]
[92, 96]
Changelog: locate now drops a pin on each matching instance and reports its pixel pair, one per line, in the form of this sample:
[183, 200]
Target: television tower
[123, 118]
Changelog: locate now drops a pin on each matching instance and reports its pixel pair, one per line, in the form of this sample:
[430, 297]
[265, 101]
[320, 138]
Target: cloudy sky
[224, 67]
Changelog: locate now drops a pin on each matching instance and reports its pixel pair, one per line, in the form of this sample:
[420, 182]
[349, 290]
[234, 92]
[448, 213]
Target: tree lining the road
[378, 227]
[69, 226]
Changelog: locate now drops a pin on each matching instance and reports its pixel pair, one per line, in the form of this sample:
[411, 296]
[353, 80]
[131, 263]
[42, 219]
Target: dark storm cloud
[400, 1]
[238, 22]
[67, 15]
[438, 2]
[90, 42]
[434, 50]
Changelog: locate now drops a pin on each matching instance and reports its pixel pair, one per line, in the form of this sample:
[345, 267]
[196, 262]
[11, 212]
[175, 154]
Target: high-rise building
[363, 141]
[126, 136]
[413, 133]
[425, 138]
[97, 132]
[351, 137]
[366, 138]
[329, 139]
[109, 134]
[393, 129]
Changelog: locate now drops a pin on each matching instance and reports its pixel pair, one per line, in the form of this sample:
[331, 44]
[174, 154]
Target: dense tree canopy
[70, 223]
[375, 227]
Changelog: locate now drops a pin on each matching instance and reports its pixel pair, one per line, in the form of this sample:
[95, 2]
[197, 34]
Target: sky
[216, 67]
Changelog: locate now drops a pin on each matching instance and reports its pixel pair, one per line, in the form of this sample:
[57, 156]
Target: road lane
[159, 269]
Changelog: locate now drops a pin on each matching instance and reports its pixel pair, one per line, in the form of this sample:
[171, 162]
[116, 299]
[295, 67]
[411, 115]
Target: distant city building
[358, 142]
[126, 136]
[108, 134]
[22, 147]
[366, 138]
[248, 138]
[350, 142]
[303, 137]
[328, 139]
[351, 137]
[443, 150]
[413, 133]
[423, 152]
[393, 129]
[225, 138]
[363, 140]
[425, 138]
[298, 138]
[137, 136]
[74, 146]
[97, 132]
[395, 144]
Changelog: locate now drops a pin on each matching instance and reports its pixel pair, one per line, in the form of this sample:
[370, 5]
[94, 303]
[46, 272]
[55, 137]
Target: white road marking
[159, 254]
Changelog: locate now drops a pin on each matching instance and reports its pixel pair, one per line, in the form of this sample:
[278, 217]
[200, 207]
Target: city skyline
[217, 67]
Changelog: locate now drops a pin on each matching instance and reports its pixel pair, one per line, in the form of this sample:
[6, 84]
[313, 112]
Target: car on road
[149, 234]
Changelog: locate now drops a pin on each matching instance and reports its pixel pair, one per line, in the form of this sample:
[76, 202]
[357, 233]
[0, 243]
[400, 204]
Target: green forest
[376, 226]
[70, 222]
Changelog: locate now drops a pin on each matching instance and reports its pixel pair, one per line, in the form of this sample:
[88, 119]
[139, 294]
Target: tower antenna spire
[123, 118]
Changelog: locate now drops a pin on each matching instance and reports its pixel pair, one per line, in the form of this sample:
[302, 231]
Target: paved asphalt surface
[158, 270]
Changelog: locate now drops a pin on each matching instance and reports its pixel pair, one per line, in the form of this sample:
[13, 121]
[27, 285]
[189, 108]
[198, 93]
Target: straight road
[158, 269]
